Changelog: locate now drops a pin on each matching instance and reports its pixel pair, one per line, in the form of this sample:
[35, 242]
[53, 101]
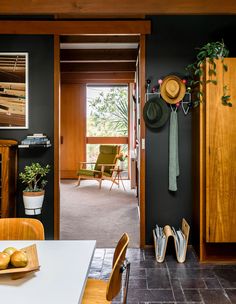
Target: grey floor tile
[135, 254]
[192, 295]
[232, 295]
[148, 264]
[138, 272]
[150, 295]
[138, 283]
[158, 279]
[193, 273]
[212, 283]
[192, 283]
[216, 296]
[227, 277]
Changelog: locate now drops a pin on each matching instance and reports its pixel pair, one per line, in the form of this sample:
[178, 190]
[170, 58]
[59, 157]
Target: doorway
[88, 212]
[109, 60]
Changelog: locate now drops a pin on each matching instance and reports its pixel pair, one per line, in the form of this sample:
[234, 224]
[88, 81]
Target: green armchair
[107, 160]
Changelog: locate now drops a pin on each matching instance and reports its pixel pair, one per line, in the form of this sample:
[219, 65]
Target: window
[107, 118]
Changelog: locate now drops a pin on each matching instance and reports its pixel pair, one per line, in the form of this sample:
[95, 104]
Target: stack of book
[35, 140]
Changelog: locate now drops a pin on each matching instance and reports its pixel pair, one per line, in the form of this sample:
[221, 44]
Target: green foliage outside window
[108, 113]
[107, 116]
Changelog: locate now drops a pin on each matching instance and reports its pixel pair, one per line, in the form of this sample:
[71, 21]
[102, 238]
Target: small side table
[117, 178]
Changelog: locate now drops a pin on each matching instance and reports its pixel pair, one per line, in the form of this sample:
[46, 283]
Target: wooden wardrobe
[8, 177]
[214, 166]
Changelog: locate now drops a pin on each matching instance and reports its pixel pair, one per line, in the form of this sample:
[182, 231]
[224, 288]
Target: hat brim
[165, 113]
[182, 90]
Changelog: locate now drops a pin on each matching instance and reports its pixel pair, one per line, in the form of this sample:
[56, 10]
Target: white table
[64, 268]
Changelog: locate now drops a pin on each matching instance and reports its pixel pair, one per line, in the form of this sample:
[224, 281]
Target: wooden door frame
[57, 28]
[142, 90]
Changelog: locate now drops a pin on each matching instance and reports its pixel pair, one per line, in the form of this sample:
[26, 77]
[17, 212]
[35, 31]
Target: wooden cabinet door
[221, 157]
[73, 128]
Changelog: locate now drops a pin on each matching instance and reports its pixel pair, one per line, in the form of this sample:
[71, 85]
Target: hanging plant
[210, 51]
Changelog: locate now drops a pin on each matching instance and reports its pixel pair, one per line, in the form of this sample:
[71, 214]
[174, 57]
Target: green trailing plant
[210, 52]
[33, 177]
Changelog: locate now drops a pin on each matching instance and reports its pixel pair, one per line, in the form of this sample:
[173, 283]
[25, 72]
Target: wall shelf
[36, 146]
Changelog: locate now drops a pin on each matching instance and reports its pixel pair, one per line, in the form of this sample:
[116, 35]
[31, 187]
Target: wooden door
[73, 128]
[220, 156]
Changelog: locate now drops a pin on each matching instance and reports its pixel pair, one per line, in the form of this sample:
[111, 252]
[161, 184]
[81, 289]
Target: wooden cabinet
[8, 171]
[214, 146]
[73, 128]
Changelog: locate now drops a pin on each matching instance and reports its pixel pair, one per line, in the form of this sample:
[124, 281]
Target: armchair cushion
[106, 161]
[107, 155]
[87, 172]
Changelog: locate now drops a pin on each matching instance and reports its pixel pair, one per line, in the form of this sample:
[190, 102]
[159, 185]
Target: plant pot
[33, 202]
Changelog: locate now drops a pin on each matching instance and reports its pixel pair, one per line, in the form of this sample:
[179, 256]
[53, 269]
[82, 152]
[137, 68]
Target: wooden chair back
[107, 155]
[115, 280]
[119, 247]
[21, 229]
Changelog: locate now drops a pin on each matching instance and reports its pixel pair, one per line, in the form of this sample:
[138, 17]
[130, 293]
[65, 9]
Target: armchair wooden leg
[100, 183]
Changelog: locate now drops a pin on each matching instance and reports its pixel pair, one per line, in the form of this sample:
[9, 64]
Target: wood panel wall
[73, 128]
[214, 149]
[220, 156]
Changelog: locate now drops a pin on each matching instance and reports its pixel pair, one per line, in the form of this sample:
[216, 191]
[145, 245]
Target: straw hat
[172, 89]
[155, 112]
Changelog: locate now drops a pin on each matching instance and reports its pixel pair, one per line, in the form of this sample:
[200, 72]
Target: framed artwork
[14, 90]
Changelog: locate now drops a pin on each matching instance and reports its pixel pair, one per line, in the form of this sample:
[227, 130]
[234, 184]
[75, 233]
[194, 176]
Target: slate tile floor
[170, 282]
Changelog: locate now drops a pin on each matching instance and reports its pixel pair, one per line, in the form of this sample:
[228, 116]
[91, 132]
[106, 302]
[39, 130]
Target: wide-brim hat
[155, 112]
[172, 89]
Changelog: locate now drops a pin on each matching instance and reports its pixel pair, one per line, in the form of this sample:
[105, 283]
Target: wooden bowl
[33, 264]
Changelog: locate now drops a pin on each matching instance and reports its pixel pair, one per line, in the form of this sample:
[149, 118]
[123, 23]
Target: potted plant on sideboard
[33, 195]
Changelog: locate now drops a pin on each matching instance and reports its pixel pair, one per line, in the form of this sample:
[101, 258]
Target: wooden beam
[110, 7]
[98, 77]
[95, 16]
[99, 39]
[98, 67]
[75, 27]
[107, 140]
[99, 55]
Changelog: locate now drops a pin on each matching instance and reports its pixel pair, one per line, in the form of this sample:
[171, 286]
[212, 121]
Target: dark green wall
[40, 50]
[170, 48]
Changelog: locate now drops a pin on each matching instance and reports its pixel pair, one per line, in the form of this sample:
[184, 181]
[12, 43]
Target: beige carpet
[103, 215]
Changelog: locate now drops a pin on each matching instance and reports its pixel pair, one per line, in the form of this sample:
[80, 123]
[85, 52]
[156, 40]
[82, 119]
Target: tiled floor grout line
[223, 289]
[201, 296]
[180, 286]
[168, 272]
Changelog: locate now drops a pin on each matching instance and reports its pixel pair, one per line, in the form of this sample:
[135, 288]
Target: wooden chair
[21, 229]
[101, 292]
[107, 160]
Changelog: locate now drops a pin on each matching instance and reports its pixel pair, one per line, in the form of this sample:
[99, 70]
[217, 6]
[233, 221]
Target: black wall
[170, 48]
[40, 50]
